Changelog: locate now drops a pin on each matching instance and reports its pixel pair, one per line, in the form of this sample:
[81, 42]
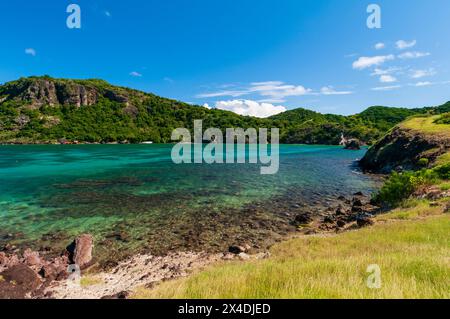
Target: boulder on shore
[80, 250]
[353, 144]
[364, 221]
[302, 219]
[18, 282]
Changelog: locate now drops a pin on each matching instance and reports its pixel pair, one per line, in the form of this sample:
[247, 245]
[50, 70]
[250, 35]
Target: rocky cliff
[35, 92]
[413, 144]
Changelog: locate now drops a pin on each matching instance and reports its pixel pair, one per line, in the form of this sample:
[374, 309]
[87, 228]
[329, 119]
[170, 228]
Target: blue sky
[254, 57]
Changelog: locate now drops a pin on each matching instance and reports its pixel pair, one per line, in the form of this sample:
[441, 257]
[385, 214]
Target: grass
[443, 159]
[444, 186]
[87, 281]
[427, 125]
[411, 209]
[411, 245]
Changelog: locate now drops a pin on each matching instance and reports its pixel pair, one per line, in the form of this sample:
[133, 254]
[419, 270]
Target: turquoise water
[133, 198]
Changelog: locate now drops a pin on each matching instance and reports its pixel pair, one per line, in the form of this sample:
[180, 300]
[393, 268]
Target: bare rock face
[42, 91]
[75, 94]
[116, 97]
[402, 149]
[353, 145]
[80, 251]
[18, 282]
[32, 258]
[7, 261]
[56, 269]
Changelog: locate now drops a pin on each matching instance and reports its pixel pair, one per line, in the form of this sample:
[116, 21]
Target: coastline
[147, 270]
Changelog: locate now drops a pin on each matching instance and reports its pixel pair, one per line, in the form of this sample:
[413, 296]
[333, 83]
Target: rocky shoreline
[30, 274]
[404, 149]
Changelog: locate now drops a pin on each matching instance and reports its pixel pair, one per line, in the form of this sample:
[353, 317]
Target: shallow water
[133, 198]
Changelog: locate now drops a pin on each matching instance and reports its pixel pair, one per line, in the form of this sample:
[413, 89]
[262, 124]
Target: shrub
[400, 186]
[443, 171]
[444, 119]
[423, 162]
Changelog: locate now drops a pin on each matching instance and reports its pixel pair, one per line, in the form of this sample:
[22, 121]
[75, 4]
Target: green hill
[42, 109]
[305, 126]
[45, 110]
[414, 143]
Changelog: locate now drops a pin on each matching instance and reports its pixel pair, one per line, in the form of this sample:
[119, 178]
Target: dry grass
[427, 126]
[413, 253]
[411, 209]
[87, 281]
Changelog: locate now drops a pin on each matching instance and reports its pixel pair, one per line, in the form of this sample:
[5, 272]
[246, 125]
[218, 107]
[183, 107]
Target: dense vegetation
[400, 186]
[43, 109]
[445, 119]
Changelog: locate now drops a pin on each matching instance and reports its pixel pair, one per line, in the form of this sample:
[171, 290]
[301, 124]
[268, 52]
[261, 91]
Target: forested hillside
[47, 110]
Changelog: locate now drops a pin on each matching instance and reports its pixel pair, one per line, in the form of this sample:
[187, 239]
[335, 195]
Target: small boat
[148, 142]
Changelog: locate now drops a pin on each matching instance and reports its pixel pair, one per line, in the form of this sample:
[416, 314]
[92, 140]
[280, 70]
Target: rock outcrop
[18, 282]
[80, 251]
[38, 92]
[25, 275]
[302, 219]
[353, 144]
[402, 149]
[35, 92]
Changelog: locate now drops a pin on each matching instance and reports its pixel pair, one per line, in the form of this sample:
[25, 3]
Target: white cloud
[329, 90]
[30, 51]
[413, 55]
[206, 105]
[272, 101]
[417, 74]
[402, 44]
[250, 108]
[386, 88]
[136, 74]
[267, 83]
[391, 70]
[387, 78]
[232, 93]
[428, 83]
[380, 46]
[284, 91]
[275, 90]
[367, 62]
[419, 84]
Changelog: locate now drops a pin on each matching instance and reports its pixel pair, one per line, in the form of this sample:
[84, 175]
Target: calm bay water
[133, 198]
